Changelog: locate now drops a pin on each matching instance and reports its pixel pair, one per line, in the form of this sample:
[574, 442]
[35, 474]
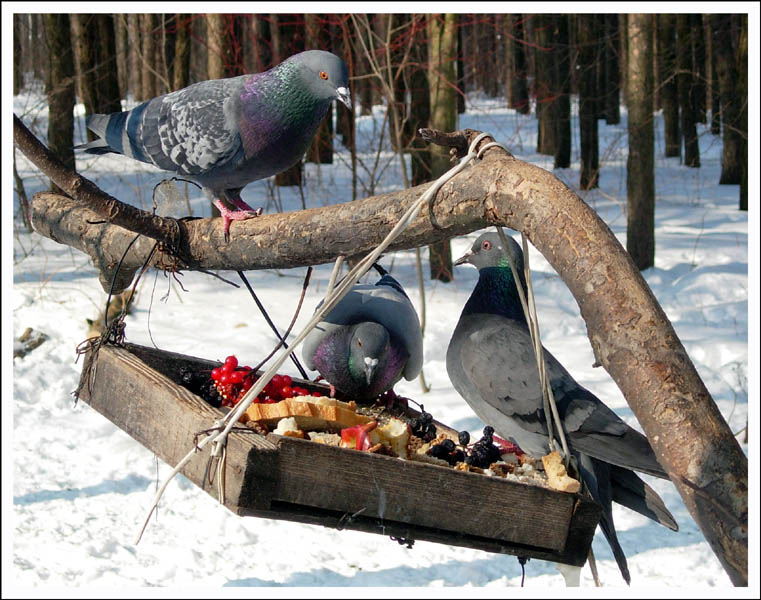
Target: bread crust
[311, 414]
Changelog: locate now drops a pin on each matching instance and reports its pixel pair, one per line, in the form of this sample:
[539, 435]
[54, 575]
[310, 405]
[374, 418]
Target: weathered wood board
[137, 388]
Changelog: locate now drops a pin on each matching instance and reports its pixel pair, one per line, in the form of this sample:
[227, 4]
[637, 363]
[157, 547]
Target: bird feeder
[276, 477]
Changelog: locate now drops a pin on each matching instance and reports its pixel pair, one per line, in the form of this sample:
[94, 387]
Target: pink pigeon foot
[235, 215]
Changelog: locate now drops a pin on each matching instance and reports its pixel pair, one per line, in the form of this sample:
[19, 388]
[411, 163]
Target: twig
[271, 324]
[288, 331]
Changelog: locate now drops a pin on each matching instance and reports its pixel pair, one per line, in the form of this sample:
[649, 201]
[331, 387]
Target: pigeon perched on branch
[491, 363]
[368, 341]
[226, 133]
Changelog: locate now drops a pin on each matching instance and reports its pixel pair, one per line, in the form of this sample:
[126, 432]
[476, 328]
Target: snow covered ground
[81, 487]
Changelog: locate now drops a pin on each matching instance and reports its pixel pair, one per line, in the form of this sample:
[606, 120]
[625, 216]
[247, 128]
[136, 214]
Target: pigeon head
[495, 292]
[488, 251]
[324, 74]
[369, 343]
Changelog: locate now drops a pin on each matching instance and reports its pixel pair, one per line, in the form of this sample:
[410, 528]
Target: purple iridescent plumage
[368, 341]
[226, 133]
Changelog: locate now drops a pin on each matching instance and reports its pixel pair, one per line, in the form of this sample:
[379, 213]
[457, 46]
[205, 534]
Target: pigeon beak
[465, 258]
[370, 364]
[344, 95]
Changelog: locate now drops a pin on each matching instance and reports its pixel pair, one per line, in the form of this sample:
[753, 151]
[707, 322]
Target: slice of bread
[557, 476]
[309, 412]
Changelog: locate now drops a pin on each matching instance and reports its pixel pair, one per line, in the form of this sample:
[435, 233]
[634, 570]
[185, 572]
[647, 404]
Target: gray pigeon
[368, 341]
[491, 363]
[226, 133]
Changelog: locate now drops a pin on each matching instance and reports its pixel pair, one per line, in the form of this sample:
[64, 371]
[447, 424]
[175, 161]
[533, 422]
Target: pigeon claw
[229, 216]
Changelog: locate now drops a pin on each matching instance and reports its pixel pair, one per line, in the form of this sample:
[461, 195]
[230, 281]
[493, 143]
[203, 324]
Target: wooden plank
[297, 480]
[575, 553]
[165, 418]
[427, 495]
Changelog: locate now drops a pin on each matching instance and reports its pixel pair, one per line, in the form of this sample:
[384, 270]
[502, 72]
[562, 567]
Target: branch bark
[630, 334]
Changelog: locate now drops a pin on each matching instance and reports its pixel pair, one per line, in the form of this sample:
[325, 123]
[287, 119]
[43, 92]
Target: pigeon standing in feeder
[491, 363]
[368, 341]
[226, 133]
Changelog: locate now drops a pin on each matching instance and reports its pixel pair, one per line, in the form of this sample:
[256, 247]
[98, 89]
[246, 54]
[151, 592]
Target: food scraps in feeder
[291, 411]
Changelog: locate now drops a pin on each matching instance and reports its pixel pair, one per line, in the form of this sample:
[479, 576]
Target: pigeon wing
[499, 360]
[190, 131]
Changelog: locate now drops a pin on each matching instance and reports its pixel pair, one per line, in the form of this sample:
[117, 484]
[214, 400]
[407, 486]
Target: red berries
[233, 381]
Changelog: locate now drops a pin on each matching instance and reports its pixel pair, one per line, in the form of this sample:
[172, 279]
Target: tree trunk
[283, 38]
[442, 52]
[345, 125]
[668, 83]
[518, 86]
[588, 93]
[601, 51]
[168, 45]
[742, 93]
[181, 67]
[60, 89]
[726, 70]
[543, 83]
[460, 67]
[84, 36]
[107, 73]
[698, 67]
[133, 57]
[19, 32]
[490, 60]
[39, 59]
[650, 365]
[321, 150]
[218, 43]
[713, 81]
[612, 70]
[122, 50]
[685, 82]
[260, 32]
[561, 68]
[148, 58]
[640, 179]
[420, 110]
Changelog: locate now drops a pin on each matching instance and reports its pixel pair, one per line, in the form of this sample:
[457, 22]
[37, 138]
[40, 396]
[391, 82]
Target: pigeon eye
[359, 343]
[323, 75]
[486, 245]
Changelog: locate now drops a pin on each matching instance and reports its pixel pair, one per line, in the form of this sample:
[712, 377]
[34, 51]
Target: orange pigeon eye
[323, 75]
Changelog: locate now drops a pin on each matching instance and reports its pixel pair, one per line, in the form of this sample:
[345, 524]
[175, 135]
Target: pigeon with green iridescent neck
[226, 133]
[491, 363]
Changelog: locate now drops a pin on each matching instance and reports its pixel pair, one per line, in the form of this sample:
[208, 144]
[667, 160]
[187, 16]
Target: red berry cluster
[233, 381]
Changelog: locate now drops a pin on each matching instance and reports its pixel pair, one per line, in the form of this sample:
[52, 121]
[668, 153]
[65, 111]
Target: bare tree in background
[640, 177]
[726, 71]
[517, 85]
[149, 85]
[59, 85]
[586, 37]
[321, 150]
[95, 43]
[543, 83]
[667, 80]
[181, 67]
[442, 53]
[685, 80]
[742, 93]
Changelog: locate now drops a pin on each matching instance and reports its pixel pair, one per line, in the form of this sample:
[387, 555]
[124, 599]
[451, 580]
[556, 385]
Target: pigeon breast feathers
[382, 303]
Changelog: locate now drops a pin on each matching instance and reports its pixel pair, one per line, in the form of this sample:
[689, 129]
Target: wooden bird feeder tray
[138, 389]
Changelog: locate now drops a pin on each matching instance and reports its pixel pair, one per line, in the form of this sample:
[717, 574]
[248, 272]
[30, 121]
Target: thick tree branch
[630, 334]
[85, 191]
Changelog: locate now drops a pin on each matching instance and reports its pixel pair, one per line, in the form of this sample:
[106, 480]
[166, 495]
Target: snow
[81, 487]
